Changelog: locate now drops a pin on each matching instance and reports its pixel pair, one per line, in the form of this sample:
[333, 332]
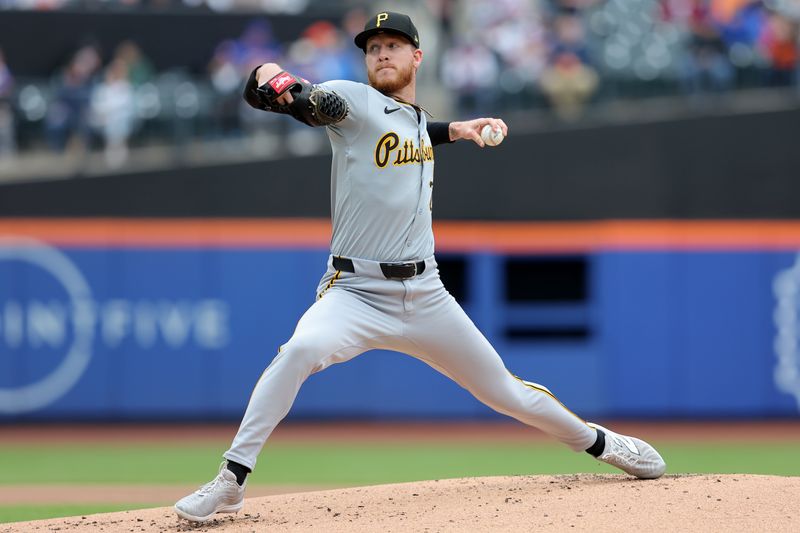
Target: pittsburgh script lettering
[389, 145]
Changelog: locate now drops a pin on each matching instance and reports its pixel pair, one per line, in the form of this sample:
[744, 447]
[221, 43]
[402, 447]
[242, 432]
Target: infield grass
[339, 463]
[23, 513]
[342, 464]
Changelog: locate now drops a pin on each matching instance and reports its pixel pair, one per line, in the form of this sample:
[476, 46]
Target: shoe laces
[211, 485]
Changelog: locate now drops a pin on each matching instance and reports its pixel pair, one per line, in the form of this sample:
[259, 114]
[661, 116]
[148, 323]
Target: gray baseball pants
[361, 311]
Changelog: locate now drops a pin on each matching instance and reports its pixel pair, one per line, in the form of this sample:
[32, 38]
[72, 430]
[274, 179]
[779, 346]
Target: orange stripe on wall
[508, 237]
[173, 233]
[619, 235]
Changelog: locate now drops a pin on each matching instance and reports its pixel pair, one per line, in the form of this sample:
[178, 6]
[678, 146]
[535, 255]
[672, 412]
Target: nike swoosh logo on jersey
[388, 111]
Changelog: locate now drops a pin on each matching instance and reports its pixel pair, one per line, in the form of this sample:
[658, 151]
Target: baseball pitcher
[382, 288]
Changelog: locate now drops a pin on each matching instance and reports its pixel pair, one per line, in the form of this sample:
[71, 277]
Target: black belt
[390, 270]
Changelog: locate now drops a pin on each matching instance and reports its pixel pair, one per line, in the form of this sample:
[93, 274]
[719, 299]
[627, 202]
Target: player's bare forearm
[471, 129]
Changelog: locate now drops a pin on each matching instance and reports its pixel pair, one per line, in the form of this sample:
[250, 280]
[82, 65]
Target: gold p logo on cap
[380, 18]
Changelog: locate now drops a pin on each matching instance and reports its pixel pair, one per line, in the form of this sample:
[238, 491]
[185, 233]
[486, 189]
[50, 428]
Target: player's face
[392, 62]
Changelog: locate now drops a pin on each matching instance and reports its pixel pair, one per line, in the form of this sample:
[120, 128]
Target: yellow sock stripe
[545, 390]
[330, 283]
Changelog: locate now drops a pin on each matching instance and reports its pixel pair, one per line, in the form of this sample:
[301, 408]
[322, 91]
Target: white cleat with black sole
[631, 455]
[220, 495]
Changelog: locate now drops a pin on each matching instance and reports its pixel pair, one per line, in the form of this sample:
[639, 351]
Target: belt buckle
[403, 265]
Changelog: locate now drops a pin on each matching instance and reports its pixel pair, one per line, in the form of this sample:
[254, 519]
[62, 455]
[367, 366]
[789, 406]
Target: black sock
[599, 445]
[240, 471]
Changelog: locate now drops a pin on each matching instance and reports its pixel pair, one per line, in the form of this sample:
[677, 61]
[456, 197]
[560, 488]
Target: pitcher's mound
[583, 502]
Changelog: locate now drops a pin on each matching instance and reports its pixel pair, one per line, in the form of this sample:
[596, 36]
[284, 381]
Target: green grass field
[22, 513]
[340, 464]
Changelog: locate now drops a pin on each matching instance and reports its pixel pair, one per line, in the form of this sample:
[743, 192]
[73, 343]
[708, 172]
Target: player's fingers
[286, 98]
[481, 122]
[495, 123]
[475, 136]
[503, 127]
[498, 125]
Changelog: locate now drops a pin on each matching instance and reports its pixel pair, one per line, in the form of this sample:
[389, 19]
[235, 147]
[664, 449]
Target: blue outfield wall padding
[139, 333]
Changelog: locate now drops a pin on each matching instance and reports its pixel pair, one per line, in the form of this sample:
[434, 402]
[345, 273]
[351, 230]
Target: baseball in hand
[492, 137]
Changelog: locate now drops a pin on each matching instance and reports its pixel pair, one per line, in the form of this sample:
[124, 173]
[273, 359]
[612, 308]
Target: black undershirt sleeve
[439, 132]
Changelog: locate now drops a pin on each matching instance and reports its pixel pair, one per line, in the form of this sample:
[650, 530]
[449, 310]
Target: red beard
[392, 84]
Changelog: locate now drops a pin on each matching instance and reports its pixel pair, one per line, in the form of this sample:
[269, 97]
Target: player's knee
[306, 350]
[506, 406]
[506, 401]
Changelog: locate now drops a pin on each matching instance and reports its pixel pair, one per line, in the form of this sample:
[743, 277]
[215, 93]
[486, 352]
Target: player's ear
[417, 57]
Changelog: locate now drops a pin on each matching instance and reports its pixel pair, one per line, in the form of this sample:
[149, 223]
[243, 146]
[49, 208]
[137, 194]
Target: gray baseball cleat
[632, 455]
[220, 495]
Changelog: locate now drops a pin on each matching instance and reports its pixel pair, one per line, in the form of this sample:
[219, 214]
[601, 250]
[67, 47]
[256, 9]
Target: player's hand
[471, 129]
[266, 72]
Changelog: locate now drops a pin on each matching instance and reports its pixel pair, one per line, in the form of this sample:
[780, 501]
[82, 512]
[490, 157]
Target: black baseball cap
[388, 22]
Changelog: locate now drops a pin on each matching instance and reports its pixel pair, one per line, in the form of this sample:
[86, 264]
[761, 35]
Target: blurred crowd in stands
[492, 56]
[109, 104]
[221, 6]
[569, 52]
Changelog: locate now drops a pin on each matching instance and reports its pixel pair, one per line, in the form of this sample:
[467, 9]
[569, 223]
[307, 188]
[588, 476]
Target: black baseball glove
[311, 104]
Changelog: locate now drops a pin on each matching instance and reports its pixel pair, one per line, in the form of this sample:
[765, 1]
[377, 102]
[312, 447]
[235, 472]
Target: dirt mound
[585, 502]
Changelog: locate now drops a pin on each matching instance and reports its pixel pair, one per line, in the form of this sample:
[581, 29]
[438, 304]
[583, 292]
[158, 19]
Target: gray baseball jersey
[381, 184]
[381, 189]
[381, 178]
